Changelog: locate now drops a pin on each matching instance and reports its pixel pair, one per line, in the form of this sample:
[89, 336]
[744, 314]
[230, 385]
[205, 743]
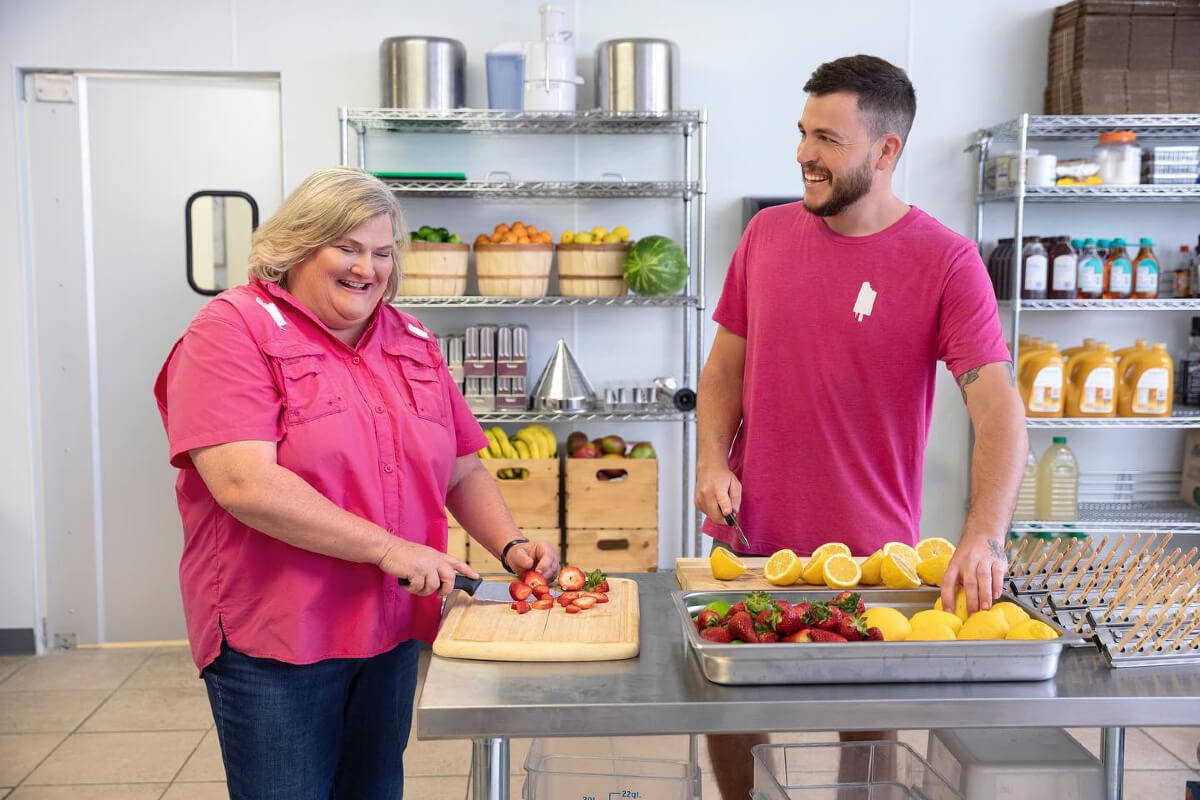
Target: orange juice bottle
[1040, 378]
[1147, 379]
[1088, 344]
[1091, 383]
[1138, 346]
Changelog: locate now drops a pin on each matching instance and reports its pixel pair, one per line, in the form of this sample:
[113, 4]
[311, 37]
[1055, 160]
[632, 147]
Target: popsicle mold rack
[1132, 597]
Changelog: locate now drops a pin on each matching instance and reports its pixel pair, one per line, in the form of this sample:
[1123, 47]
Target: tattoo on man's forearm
[966, 379]
[997, 551]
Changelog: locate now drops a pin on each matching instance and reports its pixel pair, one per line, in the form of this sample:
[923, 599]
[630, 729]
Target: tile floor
[134, 723]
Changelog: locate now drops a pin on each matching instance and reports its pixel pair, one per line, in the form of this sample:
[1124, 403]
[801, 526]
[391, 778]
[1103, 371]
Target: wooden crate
[627, 502]
[486, 564]
[533, 499]
[612, 549]
[456, 543]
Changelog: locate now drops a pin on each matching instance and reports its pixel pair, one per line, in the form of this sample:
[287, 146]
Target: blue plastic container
[506, 81]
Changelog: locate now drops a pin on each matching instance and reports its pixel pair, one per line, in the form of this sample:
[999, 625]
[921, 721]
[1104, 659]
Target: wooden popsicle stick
[1142, 598]
[1012, 548]
[1134, 631]
[1071, 568]
[1128, 590]
[1099, 548]
[1052, 569]
[1158, 551]
[1120, 570]
[1043, 552]
[1037, 567]
[1170, 631]
[1181, 639]
[1166, 599]
[1018, 558]
[1096, 573]
[1034, 553]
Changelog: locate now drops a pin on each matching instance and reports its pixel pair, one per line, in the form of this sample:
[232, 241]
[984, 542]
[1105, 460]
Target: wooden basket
[513, 270]
[592, 270]
[434, 269]
[630, 501]
[533, 498]
[612, 549]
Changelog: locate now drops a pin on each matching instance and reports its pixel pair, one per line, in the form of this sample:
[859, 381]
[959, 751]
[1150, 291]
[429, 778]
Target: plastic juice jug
[1034, 345]
[1147, 380]
[1138, 346]
[1145, 271]
[1088, 344]
[1041, 382]
[1027, 496]
[1120, 272]
[1092, 277]
[1091, 383]
[1058, 482]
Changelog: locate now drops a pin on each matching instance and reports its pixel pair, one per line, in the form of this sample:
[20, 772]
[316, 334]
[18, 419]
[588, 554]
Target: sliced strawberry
[583, 601]
[573, 609]
[707, 619]
[601, 597]
[566, 598]
[520, 606]
[542, 603]
[519, 591]
[741, 627]
[533, 579]
[770, 637]
[802, 635]
[819, 635]
[716, 634]
[541, 590]
[571, 579]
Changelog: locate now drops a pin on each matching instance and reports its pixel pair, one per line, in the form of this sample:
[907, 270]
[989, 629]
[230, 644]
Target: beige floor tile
[153, 710]
[107, 791]
[112, 757]
[435, 757]
[1182, 742]
[20, 753]
[445, 788]
[1165, 784]
[205, 764]
[10, 664]
[1141, 752]
[77, 669]
[166, 668]
[46, 712]
[197, 791]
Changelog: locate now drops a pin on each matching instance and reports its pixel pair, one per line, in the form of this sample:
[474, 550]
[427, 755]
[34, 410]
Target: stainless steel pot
[637, 75]
[423, 72]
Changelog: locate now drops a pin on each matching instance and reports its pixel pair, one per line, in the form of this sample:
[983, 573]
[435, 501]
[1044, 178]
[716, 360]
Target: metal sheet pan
[869, 662]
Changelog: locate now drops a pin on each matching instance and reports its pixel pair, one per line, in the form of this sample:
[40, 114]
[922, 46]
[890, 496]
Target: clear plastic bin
[580, 768]
[998, 763]
[888, 771]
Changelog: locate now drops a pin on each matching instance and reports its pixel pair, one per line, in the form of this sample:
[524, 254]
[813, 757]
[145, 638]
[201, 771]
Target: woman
[319, 438]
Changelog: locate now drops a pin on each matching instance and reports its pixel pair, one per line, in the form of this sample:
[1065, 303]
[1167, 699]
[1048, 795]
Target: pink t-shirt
[843, 335]
[376, 429]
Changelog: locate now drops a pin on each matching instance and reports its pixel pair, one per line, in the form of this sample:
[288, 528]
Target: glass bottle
[1120, 272]
[1034, 264]
[1090, 281]
[1145, 271]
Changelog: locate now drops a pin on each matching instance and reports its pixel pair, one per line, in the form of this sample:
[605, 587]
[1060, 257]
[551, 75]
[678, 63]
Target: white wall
[972, 63]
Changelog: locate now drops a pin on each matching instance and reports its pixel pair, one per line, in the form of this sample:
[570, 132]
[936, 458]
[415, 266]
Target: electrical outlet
[64, 641]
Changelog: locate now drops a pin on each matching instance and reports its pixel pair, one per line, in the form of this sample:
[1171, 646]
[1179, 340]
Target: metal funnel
[562, 386]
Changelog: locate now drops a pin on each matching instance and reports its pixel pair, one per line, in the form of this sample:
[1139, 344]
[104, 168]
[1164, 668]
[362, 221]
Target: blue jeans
[333, 729]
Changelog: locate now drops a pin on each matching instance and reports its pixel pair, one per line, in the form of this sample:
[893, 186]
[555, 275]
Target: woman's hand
[426, 570]
[534, 555]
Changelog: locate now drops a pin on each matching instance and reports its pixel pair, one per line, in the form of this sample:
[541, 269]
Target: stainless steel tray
[869, 662]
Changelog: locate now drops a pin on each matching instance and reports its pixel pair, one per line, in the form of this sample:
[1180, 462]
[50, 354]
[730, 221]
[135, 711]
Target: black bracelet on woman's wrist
[504, 553]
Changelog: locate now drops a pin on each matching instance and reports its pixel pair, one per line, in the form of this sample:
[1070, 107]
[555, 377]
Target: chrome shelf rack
[479, 120]
[500, 417]
[1088, 126]
[1181, 417]
[549, 301]
[542, 190]
[1143, 193]
[1170, 304]
[1125, 502]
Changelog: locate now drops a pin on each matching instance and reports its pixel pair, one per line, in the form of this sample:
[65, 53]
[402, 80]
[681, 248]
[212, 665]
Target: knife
[731, 519]
[489, 591]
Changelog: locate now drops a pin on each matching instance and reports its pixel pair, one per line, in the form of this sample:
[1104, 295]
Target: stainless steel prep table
[663, 692]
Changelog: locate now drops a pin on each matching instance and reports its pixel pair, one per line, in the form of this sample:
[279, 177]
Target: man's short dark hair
[885, 94]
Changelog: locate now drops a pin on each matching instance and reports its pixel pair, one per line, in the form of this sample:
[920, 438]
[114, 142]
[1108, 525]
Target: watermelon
[655, 265]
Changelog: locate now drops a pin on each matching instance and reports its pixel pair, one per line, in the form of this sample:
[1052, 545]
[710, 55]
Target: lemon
[725, 565]
[612, 238]
[1011, 611]
[934, 546]
[814, 570]
[891, 623]
[935, 617]
[931, 570]
[898, 573]
[870, 569]
[841, 572]
[783, 568]
[907, 552]
[1031, 629]
[932, 632]
[622, 232]
[960, 604]
[984, 625]
[567, 237]
[598, 233]
[583, 238]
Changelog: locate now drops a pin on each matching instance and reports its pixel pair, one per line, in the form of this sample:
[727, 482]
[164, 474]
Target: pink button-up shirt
[375, 428]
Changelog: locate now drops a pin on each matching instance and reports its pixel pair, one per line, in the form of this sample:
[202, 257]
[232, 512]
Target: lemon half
[814, 570]
[783, 568]
[841, 572]
[725, 565]
[934, 546]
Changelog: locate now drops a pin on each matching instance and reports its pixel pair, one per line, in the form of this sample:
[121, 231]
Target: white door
[110, 170]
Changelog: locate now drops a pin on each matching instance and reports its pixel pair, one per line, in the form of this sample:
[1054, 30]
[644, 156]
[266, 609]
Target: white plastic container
[888, 771]
[575, 768]
[1016, 763]
[1120, 158]
[1058, 483]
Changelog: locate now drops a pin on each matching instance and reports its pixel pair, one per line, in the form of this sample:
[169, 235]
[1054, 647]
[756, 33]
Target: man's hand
[718, 491]
[978, 565]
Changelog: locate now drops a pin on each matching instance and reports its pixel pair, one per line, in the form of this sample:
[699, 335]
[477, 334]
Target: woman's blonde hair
[323, 208]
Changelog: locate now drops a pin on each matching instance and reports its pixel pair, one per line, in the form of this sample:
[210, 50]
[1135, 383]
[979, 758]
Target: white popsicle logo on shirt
[865, 301]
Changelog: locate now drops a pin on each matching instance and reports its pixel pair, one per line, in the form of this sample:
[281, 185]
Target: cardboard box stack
[1124, 57]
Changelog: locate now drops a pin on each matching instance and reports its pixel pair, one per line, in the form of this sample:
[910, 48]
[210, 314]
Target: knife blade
[731, 519]
[485, 591]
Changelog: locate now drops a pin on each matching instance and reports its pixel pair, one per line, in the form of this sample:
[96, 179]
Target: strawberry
[571, 579]
[733, 609]
[819, 635]
[803, 608]
[715, 634]
[566, 598]
[584, 601]
[542, 603]
[596, 581]
[707, 619]
[852, 628]
[520, 606]
[874, 635]
[601, 597]
[757, 602]
[850, 602]
[519, 591]
[603, 586]
[541, 590]
[766, 619]
[573, 609]
[790, 620]
[770, 637]
[824, 617]
[533, 579]
[802, 635]
[741, 627]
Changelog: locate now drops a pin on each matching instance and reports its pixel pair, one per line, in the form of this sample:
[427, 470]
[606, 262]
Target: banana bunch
[532, 441]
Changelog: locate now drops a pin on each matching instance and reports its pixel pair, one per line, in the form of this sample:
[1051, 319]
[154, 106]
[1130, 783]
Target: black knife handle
[468, 585]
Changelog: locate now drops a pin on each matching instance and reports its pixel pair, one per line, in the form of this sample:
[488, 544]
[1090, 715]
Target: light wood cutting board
[494, 632]
[695, 575]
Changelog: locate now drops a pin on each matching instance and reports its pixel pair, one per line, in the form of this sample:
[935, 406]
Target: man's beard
[847, 190]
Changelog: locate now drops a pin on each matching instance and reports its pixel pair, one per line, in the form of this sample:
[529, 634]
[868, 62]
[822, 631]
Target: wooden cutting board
[494, 632]
[695, 575]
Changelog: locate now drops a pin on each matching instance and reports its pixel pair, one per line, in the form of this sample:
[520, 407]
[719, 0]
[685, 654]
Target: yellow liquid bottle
[1058, 483]
[1027, 496]
[1088, 344]
[1091, 383]
[1138, 346]
[1040, 379]
[1147, 383]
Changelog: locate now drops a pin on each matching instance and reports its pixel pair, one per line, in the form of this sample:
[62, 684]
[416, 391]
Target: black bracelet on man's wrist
[504, 554]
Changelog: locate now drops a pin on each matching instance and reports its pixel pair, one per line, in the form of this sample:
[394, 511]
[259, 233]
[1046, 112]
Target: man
[815, 402]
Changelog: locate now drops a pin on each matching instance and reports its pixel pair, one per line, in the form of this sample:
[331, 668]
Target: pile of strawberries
[758, 619]
[579, 592]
